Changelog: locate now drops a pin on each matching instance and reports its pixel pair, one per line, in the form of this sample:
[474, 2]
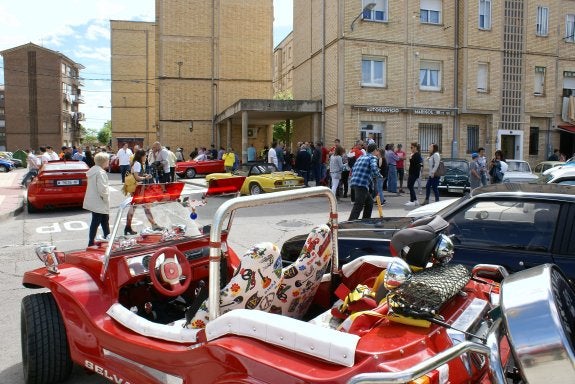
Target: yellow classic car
[260, 178]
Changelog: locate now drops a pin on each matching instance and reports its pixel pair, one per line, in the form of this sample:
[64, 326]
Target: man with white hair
[162, 163]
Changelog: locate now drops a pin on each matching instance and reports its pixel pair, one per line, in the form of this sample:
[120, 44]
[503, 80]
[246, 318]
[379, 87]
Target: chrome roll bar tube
[491, 350]
[226, 210]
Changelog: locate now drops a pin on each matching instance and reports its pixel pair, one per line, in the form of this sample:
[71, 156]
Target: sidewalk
[11, 193]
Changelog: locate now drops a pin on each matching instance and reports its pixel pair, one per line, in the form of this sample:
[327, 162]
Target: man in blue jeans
[364, 171]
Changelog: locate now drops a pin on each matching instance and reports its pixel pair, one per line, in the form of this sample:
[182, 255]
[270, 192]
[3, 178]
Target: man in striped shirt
[364, 171]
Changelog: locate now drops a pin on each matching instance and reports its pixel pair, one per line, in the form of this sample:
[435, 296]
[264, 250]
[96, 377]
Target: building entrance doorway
[567, 144]
[511, 143]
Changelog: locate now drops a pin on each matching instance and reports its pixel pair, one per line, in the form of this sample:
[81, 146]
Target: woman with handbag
[97, 197]
[139, 174]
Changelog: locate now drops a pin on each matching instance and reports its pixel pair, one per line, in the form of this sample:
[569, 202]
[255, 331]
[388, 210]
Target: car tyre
[3, 169]
[255, 189]
[45, 351]
[31, 208]
[190, 173]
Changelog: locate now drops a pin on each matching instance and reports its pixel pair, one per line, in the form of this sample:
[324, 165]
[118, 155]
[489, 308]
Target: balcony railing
[78, 99]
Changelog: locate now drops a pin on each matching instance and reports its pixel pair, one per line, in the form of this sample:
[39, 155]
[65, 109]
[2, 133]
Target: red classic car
[189, 169]
[59, 184]
[177, 305]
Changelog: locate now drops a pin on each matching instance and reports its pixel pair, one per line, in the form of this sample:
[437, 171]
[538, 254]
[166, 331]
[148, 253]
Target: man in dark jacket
[303, 163]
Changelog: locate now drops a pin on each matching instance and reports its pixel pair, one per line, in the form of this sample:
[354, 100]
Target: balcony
[66, 97]
[78, 99]
[79, 116]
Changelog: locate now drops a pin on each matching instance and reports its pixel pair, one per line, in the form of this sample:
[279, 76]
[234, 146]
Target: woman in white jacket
[97, 198]
[433, 179]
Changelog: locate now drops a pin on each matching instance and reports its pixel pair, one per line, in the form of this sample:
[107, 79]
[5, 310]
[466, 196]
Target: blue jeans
[98, 219]
[483, 178]
[379, 188]
[123, 170]
[432, 183]
[29, 176]
[391, 178]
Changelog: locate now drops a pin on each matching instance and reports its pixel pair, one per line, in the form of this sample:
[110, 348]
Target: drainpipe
[322, 127]
[214, 88]
[454, 142]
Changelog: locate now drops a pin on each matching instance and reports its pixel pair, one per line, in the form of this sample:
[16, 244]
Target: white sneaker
[412, 203]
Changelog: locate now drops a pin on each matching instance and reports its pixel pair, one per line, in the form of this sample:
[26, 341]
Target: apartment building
[43, 98]
[283, 67]
[2, 120]
[462, 74]
[172, 78]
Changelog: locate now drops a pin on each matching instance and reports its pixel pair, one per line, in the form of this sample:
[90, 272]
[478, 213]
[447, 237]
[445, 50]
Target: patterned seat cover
[253, 285]
[302, 278]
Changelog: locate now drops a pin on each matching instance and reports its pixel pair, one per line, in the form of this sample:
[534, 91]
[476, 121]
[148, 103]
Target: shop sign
[568, 74]
[434, 112]
[383, 109]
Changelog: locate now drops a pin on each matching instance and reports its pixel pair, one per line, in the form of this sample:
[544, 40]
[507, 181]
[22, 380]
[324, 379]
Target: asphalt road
[68, 230]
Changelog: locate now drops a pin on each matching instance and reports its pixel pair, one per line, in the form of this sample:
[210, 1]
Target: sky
[80, 30]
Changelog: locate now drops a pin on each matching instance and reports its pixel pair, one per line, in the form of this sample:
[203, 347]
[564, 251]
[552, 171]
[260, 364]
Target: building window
[570, 28]
[430, 76]
[472, 138]
[374, 130]
[484, 14]
[429, 134]
[482, 77]
[539, 85]
[378, 13]
[373, 72]
[430, 11]
[542, 21]
[534, 141]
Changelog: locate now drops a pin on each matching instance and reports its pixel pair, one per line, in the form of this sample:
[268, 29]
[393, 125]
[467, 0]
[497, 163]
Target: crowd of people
[364, 172]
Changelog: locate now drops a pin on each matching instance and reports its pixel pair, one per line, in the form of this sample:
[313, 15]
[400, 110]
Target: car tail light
[278, 183]
[438, 376]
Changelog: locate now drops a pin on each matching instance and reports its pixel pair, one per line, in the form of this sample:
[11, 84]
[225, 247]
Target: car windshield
[156, 223]
[451, 206]
[543, 179]
[456, 167]
[257, 169]
[518, 166]
[67, 166]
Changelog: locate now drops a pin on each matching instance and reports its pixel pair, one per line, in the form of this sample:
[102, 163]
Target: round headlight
[443, 251]
[397, 274]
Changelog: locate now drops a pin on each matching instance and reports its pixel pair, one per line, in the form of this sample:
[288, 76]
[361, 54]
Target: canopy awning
[567, 127]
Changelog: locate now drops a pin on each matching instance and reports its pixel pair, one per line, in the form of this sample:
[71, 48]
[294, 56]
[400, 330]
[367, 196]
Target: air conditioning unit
[252, 133]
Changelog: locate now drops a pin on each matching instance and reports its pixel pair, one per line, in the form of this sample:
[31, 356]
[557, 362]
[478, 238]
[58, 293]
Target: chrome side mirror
[398, 273]
[443, 251]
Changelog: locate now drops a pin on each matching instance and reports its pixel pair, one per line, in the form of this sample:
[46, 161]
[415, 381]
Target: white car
[518, 171]
[430, 209]
[563, 175]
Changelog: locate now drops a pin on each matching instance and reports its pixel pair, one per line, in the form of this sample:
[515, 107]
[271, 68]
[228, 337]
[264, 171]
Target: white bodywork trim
[323, 343]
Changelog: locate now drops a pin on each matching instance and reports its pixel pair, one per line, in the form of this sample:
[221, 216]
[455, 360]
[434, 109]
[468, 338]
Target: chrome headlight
[398, 273]
[443, 251]
[46, 254]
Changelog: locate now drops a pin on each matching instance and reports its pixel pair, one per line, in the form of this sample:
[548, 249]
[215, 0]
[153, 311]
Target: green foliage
[280, 134]
[105, 134]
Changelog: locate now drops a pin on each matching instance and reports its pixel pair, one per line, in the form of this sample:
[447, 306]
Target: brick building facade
[462, 74]
[42, 98]
[206, 56]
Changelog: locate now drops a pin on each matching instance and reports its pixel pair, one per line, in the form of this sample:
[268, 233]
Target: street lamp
[368, 7]
[191, 126]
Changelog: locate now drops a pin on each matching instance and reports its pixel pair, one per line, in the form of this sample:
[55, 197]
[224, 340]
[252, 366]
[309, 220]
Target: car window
[528, 225]
[518, 166]
[566, 182]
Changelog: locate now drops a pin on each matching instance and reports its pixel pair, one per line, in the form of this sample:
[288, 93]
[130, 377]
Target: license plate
[290, 182]
[67, 182]
[453, 190]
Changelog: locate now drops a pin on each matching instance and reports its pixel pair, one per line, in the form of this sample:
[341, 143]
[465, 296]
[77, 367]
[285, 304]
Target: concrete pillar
[270, 135]
[315, 126]
[228, 133]
[244, 137]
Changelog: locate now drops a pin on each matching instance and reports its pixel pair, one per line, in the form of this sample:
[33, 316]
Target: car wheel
[255, 189]
[3, 169]
[31, 208]
[45, 351]
[190, 173]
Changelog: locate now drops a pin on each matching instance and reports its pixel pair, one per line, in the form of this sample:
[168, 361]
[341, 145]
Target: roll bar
[227, 209]
[490, 349]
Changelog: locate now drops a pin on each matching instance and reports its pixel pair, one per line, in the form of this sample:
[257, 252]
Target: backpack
[496, 173]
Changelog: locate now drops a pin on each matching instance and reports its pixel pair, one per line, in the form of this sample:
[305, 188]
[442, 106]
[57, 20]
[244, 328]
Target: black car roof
[526, 188]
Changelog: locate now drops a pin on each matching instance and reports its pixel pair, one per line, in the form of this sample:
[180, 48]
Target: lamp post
[368, 7]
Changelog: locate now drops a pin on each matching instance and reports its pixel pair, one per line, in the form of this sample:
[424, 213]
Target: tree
[105, 134]
[90, 137]
[280, 134]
